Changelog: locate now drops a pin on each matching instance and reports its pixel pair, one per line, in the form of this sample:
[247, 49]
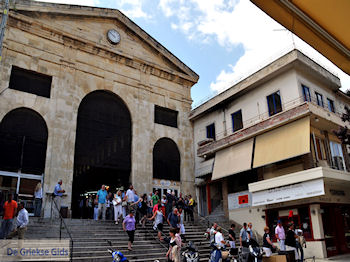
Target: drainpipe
[3, 24]
[224, 122]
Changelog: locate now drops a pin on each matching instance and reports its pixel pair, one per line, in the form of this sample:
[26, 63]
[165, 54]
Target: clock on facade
[113, 36]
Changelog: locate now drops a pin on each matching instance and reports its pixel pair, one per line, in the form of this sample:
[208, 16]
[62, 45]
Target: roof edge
[46, 7]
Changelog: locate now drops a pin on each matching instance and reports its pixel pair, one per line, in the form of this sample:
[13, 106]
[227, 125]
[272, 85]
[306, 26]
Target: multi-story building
[265, 150]
[88, 97]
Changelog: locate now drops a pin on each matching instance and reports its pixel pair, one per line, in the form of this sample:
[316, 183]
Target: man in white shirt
[219, 238]
[130, 198]
[213, 232]
[22, 222]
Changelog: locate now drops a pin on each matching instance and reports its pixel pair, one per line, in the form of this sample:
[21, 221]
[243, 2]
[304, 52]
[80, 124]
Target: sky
[223, 41]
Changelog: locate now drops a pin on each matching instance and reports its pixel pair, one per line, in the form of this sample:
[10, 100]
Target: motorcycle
[191, 253]
[253, 253]
[218, 254]
[116, 255]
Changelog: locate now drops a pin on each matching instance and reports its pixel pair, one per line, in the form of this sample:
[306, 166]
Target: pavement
[341, 258]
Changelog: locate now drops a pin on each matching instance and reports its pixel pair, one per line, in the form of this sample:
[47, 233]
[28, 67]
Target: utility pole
[3, 24]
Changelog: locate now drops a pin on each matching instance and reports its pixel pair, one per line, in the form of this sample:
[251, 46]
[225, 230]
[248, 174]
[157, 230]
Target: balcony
[261, 123]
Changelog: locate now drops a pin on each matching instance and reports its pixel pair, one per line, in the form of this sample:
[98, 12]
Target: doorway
[336, 225]
[102, 147]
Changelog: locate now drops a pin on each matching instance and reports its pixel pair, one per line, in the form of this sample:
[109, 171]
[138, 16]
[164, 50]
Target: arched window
[23, 142]
[166, 160]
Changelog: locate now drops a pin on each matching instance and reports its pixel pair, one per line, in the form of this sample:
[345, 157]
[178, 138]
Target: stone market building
[88, 97]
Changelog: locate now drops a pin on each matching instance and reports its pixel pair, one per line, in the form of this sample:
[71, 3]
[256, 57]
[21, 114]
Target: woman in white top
[38, 199]
[117, 203]
[158, 222]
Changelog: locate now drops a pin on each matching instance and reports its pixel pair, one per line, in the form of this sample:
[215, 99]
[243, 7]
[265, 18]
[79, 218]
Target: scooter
[116, 255]
[253, 253]
[191, 253]
[219, 255]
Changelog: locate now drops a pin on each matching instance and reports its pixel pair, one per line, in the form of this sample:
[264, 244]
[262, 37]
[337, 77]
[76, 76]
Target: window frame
[238, 112]
[318, 101]
[330, 104]
[307, 95]
[211, 131]
[162, 110]
[35, 83]
[275, 111]
[340, 153]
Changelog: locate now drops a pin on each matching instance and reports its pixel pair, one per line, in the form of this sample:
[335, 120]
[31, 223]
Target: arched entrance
[166, 165]
[102, 146]
[23, 142]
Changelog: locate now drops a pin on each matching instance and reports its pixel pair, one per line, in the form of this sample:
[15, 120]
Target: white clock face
[113, 36]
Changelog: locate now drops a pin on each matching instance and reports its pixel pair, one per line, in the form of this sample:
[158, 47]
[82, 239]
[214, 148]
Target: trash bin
[64, 211]
[290, 254]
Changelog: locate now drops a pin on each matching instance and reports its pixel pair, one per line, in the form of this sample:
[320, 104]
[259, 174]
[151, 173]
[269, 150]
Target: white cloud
[132, 8]
[232, 23]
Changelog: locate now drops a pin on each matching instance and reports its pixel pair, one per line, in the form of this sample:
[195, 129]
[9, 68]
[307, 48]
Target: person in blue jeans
[101, 198]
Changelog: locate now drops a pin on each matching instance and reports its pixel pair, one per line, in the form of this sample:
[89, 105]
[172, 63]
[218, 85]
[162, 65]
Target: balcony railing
[265, 115]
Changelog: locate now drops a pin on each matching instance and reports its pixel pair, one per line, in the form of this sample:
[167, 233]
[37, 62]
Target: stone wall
[75, 52]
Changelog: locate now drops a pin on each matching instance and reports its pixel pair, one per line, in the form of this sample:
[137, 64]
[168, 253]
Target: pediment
[92, 24]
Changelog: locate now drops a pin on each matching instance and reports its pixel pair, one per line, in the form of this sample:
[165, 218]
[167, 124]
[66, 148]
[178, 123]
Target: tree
[343, 132]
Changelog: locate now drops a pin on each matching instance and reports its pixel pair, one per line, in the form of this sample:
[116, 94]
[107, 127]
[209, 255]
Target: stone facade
[69, 43]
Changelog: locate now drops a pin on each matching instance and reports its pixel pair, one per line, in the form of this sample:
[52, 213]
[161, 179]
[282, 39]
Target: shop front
[316, 200]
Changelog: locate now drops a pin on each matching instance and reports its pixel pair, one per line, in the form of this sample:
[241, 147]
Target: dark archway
[166, 160]
[23, 142]
[103, 144]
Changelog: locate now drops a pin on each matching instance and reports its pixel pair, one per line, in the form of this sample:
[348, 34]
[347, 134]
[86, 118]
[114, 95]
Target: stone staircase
[90, 239]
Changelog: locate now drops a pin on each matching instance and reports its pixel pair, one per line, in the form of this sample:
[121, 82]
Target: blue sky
[221, 40]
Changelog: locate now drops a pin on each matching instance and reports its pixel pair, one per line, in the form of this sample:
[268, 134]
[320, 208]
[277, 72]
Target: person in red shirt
[10, 210]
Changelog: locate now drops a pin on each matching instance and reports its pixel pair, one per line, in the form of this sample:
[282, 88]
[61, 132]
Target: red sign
[243, 199]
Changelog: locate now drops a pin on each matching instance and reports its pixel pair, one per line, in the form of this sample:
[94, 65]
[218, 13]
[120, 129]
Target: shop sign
[288, 193]
[239, 200]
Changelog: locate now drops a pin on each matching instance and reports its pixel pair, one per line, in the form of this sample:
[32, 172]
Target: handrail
[209, 221]
[150, 233]
[65, 226]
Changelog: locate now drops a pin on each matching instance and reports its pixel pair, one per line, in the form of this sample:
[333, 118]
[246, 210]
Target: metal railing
[62, 222]
[151, 233]
[265, 115]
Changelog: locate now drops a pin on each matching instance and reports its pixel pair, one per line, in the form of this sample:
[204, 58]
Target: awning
[282, 143]
[234, 159]
[322, 24]
[204, 168]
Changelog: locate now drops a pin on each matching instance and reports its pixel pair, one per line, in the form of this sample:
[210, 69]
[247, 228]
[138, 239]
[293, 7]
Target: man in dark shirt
[232, 236]
[291, 240]
[173, 219]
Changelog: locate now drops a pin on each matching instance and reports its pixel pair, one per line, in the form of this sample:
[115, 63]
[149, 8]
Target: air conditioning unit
[338, 162]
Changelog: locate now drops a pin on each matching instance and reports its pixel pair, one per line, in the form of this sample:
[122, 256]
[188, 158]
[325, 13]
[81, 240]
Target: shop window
[30, 82]
[211, 131]
[306, 93]
[337, 156]
[274, 103]
[305, 222]
[237, 123]
[301, 220]
[330, 105]
[319, 99]
[320, 147]
[165, 116]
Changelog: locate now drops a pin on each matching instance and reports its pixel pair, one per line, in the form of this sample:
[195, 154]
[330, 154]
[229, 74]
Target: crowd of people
[291, 240]
[132, 209]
